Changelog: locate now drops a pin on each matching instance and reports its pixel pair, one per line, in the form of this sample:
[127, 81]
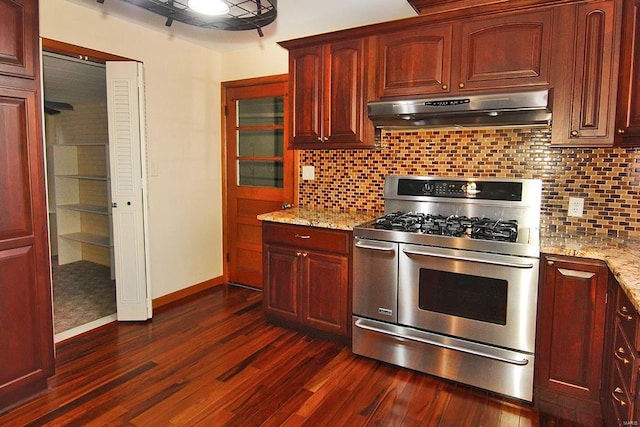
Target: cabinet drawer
[625, 358]
[618, 399]
[307, 237]
[628, 317]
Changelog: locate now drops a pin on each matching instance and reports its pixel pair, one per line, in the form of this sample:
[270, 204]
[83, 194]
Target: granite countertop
[621, 255]
[322, 218]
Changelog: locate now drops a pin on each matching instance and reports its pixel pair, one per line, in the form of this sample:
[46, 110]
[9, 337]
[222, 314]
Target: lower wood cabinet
[619, 396]
[306, 277]
[569, 345]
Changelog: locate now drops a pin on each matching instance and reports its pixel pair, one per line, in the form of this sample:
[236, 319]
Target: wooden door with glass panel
[259, 170]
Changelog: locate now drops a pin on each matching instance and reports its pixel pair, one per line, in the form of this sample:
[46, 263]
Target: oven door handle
[376, 246]
[361, 323]
[468, 258]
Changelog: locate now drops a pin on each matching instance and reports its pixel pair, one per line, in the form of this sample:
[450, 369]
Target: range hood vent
[513, 109]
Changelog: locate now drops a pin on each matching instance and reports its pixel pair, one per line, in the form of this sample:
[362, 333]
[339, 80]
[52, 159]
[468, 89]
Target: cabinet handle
[445, 87]
[616, 398]
[623, 312]
[575, 133]
[620, 131]
[303, 236]
[461, 85]
[618, 353]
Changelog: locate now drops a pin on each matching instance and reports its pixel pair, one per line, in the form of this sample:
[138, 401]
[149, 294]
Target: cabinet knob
[620, 131]
[575, 133]
[445, 87]
[461, 85]
[619, 354]
[550, 262]
[304, 254]
[298, 253]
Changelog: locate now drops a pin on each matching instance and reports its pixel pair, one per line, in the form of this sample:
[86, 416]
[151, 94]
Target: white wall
[266, 60]
[183, 137]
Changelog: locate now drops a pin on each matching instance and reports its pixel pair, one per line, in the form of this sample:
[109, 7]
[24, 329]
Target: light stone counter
[323, 218]
[621, 255]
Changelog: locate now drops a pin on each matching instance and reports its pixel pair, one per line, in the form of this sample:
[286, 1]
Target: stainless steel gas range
[446, 282]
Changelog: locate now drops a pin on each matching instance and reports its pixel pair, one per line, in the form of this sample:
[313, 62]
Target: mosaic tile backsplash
[607, 178]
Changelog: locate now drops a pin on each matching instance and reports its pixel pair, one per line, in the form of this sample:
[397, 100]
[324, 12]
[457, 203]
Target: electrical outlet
[576, 206]
[308, 172]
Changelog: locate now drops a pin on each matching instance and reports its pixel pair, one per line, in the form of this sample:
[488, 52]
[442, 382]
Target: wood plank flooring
[214, 361]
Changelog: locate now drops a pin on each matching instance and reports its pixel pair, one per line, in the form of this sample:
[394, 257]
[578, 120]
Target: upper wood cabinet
[483, 53]
[327, 83]
[628, 105]
[586, 73]
[19, 23]
[505, 52]
[416, 61]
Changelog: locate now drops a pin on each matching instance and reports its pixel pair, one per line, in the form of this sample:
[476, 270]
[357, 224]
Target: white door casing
[125, 105]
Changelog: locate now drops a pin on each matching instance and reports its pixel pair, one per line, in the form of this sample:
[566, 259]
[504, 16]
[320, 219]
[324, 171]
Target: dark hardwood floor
[214, 361]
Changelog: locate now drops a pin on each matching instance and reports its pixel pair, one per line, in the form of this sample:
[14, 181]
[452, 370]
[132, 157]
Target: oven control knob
[427, 189]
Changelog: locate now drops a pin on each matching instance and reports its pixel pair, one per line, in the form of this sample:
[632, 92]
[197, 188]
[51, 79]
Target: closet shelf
[81, 207]
[82, 144]
[90, 177]
[93, 239]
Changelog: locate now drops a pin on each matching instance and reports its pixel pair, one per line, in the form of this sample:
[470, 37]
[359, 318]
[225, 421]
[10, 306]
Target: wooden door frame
[225, 86]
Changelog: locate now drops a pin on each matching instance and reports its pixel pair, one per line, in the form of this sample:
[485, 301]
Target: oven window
[463, 295]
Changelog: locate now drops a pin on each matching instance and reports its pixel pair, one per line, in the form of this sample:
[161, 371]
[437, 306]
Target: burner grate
[453, 226]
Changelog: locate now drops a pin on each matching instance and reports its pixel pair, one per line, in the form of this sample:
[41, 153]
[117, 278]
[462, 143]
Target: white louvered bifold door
[125, 103]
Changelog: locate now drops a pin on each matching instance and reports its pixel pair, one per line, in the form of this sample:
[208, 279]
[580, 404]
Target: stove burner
[454, 226]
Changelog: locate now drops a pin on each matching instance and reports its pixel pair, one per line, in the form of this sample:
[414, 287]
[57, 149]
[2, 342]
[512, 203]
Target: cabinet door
[344, 107]
[504, 52]
[628, 110]
[415, 62]
[324, 291]
[282, 274]
[26, 332]
[596, 74]
[571, 328]
[19, 23]
[306, 85]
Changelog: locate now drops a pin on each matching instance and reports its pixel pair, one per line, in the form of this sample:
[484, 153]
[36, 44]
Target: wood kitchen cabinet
[619, 396]
[570, 336]
[628, 104]
[18, 52]
[306, 278]
[586, 73]
[485, 53]
[415, 61]
[328, 83]
[26, 323]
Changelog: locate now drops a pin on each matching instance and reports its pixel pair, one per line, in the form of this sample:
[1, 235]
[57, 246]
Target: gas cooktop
[452, 225]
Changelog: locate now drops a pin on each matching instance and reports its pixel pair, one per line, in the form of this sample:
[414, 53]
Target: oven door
[375, 279]
[477, 296]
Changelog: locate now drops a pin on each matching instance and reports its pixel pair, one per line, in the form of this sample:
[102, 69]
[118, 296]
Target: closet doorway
[84, 222]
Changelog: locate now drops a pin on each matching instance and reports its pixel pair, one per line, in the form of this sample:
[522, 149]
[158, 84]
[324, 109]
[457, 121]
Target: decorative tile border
[607, 178]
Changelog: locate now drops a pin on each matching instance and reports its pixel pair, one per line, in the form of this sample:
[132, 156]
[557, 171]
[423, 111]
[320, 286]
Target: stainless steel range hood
[515, 109]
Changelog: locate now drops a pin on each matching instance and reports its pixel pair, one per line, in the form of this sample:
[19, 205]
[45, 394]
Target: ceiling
[296, 18]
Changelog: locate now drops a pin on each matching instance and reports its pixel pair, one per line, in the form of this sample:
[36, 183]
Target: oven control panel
[488, 190]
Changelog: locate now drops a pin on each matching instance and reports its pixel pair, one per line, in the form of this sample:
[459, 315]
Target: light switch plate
[576, 206]
[308, 172]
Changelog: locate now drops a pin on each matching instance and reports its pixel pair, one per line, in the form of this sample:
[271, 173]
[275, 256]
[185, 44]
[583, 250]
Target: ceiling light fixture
[234, 15]
[209, 7]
